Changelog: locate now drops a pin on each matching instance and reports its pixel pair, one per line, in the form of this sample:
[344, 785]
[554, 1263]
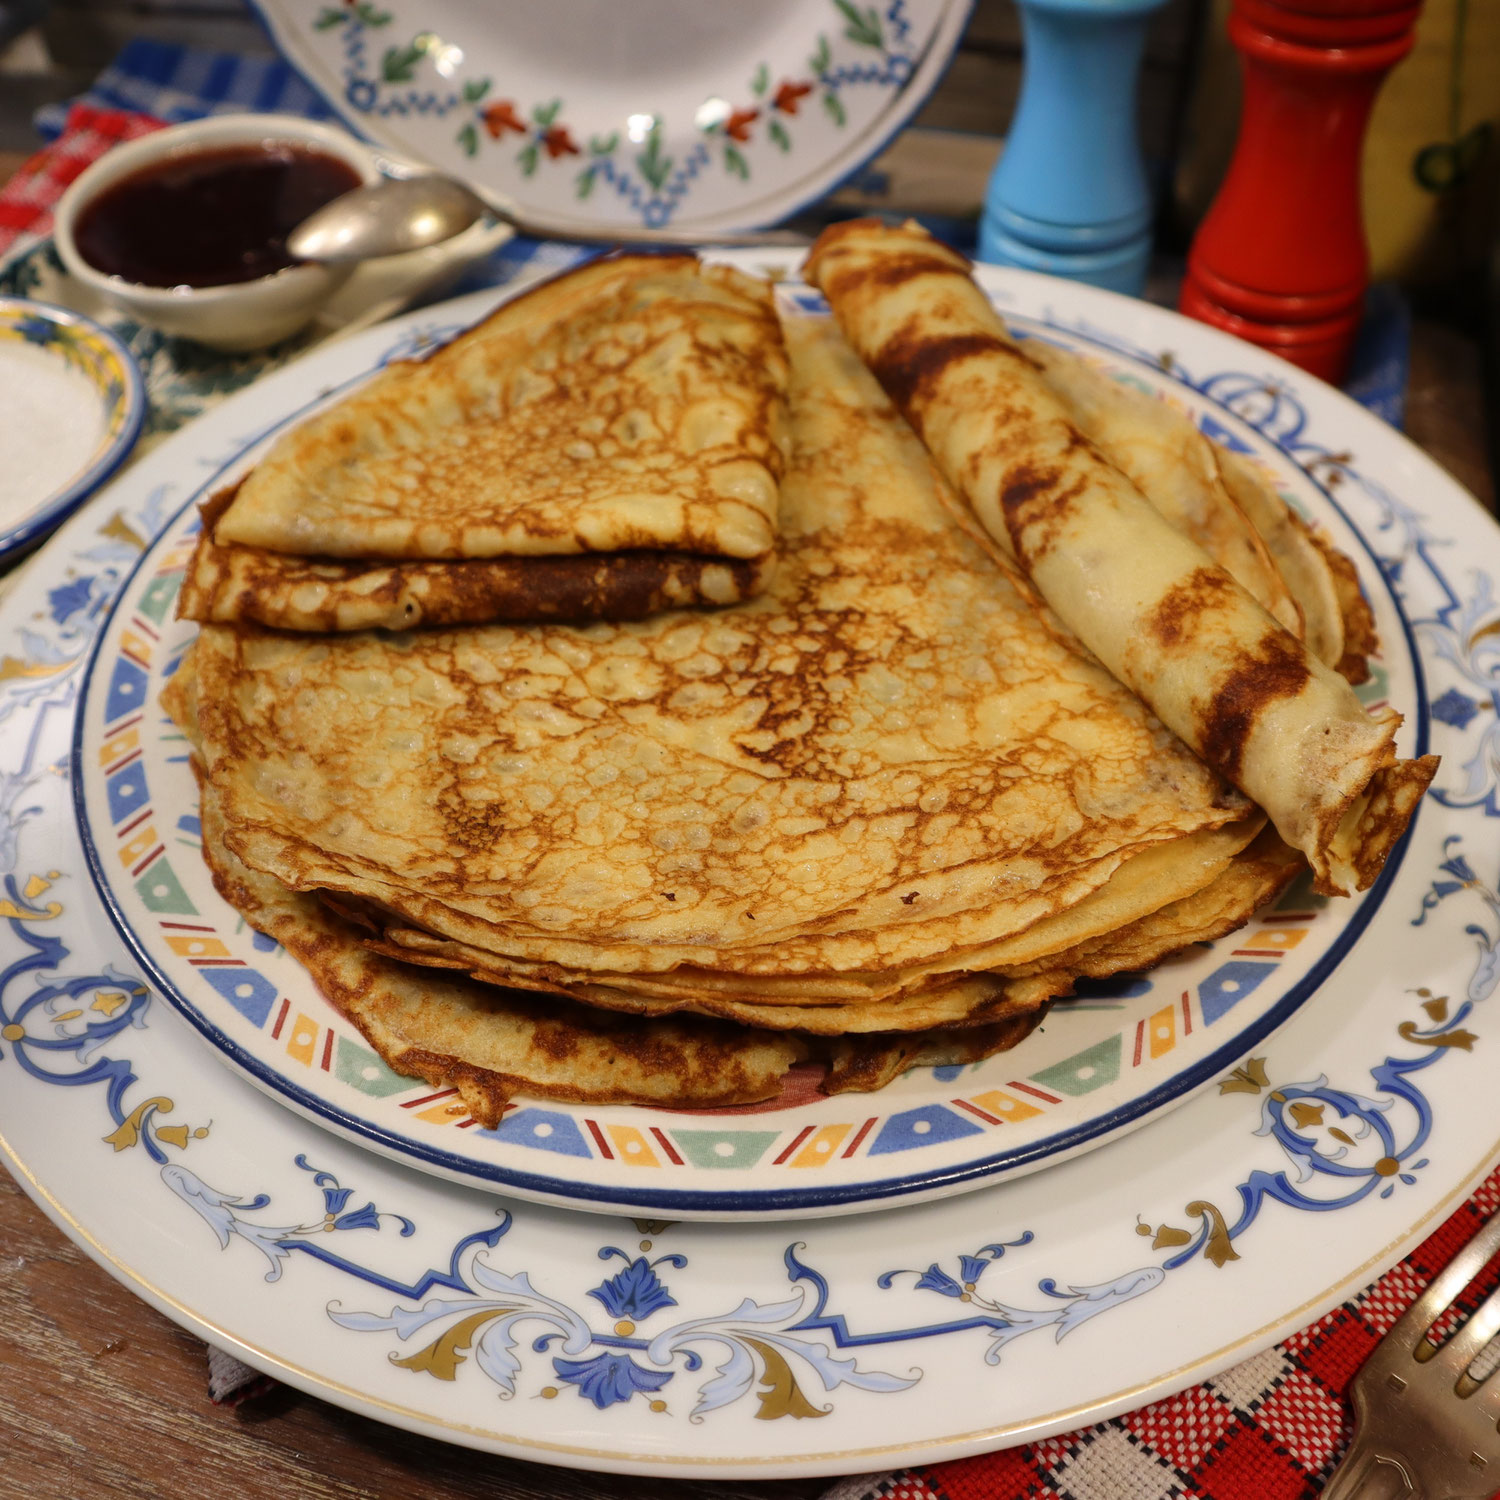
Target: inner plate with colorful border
[1033, 1306]
[1100, 1064]
[581, 114]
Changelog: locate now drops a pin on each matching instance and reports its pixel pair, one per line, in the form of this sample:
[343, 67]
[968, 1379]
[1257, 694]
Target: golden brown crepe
[498, 1040]
[787, 971]
[636, 403]
[1146, 600]
[492, 1043]
[878, 817]
[1174, 466]
[606, 446]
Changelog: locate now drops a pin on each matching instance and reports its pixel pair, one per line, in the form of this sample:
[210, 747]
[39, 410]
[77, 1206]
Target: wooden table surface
[102, 1397]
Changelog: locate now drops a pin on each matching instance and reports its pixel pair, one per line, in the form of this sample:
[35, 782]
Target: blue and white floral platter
[581, 114]
[648, 1344]
[1100, 1065]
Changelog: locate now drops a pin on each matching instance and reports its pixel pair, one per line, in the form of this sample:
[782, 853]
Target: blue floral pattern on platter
[461, 1299]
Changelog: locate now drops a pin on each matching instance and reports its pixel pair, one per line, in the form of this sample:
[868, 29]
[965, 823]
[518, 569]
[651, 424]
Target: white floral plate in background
[643, 1345]
[709, 116]
[1099, 1065]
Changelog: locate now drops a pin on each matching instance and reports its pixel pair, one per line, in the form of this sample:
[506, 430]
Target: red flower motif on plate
[737, 126]
[789, 94]
[500, 117]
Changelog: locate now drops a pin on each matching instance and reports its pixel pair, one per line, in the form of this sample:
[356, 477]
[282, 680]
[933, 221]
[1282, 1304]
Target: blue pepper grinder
[1069, 193]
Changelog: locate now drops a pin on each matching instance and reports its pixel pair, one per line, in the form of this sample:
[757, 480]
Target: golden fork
[1424, 1428]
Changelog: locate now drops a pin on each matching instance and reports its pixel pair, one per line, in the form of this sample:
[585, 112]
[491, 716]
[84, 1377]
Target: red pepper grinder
[1280, 259]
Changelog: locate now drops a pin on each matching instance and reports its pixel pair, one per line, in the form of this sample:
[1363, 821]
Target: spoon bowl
[389, 217]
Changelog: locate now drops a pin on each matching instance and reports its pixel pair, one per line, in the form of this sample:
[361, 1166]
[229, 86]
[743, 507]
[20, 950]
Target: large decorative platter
[708, 117]
[1099, 1065]
[651, 1346]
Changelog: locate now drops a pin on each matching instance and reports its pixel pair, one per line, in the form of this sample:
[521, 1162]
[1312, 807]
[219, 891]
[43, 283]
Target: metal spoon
[386, 218]
[410, 213]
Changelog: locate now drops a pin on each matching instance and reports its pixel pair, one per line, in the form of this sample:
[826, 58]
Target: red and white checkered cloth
[1272, 1428]
[27, 200]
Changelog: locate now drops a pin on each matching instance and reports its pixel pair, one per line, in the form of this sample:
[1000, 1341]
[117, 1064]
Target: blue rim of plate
[59, 506]
[728, 1204]
[879, 138]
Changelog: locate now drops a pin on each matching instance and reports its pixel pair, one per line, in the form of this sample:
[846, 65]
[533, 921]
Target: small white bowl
[240, 316]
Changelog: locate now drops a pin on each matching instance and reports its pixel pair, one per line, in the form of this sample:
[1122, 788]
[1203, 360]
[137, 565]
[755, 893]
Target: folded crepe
[1179, 628]
[607, 445]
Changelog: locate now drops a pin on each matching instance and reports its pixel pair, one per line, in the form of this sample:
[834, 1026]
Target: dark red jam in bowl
[211, 217]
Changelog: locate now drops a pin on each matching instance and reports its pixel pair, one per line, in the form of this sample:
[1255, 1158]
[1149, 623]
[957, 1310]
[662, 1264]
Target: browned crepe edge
[1360, 638]
[995, 1000]
[864, 1064]
[229, 583]
[852, 1063]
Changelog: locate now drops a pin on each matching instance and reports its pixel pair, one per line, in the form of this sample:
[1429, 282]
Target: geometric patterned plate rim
[593, 1147]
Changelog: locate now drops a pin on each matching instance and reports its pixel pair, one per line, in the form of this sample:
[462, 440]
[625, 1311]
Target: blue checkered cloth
[182, 83]
[179, 83]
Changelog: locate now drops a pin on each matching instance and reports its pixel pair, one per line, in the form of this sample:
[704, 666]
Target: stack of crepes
[880, 807]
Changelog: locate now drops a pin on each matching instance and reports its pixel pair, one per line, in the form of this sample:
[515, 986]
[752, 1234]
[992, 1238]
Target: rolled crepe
[1166, 620]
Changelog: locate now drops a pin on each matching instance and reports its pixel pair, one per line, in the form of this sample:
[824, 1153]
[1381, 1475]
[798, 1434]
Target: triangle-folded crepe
[606, 445]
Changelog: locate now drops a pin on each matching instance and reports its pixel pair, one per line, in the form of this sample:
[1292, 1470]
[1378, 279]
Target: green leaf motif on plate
[161, 892]
[363, 1069]
[399, 63]
[862, 26]
[654, 167]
